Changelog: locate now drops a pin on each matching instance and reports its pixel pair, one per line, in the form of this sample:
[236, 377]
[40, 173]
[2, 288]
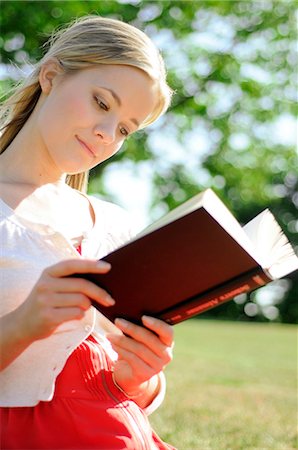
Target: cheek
[78, 111]
[60, 116]
[115, 149]
[109, 152]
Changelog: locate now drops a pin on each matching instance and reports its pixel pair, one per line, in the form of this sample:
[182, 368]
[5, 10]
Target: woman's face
[83, 118]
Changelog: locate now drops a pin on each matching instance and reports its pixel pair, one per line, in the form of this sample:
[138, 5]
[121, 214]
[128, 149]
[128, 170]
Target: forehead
[117, 73]
[130, 87]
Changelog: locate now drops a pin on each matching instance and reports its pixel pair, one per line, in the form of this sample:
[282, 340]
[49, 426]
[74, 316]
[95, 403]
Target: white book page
[278, 256]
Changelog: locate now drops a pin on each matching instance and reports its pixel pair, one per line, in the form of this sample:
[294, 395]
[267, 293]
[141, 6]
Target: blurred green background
[232, 124]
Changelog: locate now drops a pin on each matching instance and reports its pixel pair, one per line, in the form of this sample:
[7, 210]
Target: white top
[27, 248]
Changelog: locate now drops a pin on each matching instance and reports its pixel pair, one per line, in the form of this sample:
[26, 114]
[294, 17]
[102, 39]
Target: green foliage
[233, 65]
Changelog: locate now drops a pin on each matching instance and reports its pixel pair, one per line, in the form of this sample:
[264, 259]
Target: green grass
[231, 386]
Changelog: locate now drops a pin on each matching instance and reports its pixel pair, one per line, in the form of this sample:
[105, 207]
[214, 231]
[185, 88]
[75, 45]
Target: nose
[106, 131]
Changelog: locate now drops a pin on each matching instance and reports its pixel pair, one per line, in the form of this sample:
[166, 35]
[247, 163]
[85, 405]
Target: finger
[140, 350]
[161, 328]
[143, 335]
[76, 285]
[66, 300]
[61, 315]
[72, 266]
[137, 365]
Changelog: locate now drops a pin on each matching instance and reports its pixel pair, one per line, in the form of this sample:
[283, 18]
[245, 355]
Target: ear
[50, 72]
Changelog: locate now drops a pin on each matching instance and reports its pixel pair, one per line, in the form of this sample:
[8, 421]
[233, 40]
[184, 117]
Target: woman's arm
[55, 299]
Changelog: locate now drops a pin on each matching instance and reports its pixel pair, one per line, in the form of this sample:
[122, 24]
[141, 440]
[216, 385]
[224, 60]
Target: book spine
[197, 305]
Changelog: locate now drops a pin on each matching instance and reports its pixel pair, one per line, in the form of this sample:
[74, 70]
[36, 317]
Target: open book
[193, 259]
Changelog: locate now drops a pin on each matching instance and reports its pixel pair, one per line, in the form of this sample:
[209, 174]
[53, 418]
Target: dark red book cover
[183, 264]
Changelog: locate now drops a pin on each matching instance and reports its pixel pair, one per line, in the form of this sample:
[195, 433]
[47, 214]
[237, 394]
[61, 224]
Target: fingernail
[110, 300]
[148, 320]
[122, 322]
[103, 264]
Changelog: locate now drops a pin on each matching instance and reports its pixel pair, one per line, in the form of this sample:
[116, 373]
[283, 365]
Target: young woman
[70, 379]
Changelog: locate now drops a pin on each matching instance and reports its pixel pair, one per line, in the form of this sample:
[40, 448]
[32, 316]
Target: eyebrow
[119, 103]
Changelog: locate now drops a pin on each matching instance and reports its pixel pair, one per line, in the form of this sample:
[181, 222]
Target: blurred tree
[233, 65]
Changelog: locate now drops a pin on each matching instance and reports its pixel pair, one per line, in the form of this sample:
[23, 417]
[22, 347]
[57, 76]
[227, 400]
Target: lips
[86, 147]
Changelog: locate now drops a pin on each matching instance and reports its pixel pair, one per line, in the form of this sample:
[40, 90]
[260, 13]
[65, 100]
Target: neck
[26, 161]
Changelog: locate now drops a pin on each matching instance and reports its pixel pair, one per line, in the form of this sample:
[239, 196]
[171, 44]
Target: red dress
[87, 412]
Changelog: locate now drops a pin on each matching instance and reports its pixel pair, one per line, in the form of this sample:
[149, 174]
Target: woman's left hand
[143, 352]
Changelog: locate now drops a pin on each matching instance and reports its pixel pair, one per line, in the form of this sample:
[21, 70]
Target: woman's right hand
[56, 298]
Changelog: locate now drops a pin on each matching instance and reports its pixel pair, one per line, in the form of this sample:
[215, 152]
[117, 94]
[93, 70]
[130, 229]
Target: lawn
[231, 386]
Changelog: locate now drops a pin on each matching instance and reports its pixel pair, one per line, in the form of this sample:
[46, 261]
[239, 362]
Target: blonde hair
[87, 41]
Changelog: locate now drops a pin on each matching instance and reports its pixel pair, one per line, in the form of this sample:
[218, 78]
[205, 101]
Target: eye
[101, 104]
[124, 132]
